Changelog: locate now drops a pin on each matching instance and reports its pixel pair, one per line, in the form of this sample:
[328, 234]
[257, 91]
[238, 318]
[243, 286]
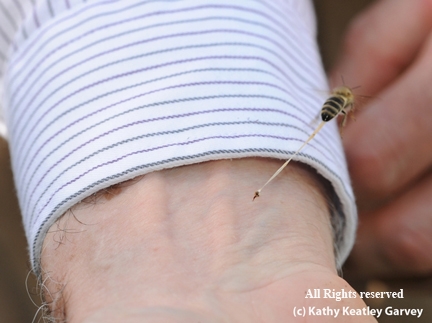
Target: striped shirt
[98, 92]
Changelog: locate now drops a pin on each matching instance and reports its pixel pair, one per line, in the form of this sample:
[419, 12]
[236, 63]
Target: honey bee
[341, 101]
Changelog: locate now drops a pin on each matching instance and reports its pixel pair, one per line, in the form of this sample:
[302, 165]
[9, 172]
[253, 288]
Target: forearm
[191, 239]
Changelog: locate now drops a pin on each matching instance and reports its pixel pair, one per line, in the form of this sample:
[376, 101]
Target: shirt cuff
[112, 90]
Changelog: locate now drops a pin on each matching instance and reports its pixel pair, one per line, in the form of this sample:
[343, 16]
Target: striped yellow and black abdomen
[332, 107]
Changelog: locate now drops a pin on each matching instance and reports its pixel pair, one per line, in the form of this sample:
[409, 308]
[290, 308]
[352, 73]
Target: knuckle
[362, 29]
[368, 173]
[356, 33]
[408, 251]
[368, 34]
[376, 164]
[427, 7]
[425, 54]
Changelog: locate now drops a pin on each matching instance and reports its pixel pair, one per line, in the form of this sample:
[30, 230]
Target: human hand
[188, 245]
[388, 52]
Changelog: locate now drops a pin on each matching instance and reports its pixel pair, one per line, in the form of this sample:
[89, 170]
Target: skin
[387, 52]
[188, 245]
[148, 253]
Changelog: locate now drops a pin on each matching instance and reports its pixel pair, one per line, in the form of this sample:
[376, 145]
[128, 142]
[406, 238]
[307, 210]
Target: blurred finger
[381, 42]
[389, 146]
[397, 240]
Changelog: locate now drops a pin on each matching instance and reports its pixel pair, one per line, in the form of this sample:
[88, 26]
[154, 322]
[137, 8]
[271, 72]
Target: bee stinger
[340, 101]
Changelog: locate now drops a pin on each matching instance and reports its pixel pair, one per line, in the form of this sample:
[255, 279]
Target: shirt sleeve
[99, 92]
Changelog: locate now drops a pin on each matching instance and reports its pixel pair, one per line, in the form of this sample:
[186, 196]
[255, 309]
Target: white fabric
[98, 92]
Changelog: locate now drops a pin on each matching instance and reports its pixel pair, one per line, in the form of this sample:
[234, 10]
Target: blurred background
[333, 18]
[15, 303]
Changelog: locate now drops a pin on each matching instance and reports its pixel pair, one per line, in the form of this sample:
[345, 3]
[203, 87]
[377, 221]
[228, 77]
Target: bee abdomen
[332, 107]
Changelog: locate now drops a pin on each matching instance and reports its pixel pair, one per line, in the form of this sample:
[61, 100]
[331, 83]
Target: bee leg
[343, 122]
[345, 115]
[352, 112]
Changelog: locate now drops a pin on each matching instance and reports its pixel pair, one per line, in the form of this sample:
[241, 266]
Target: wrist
[189, 238]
